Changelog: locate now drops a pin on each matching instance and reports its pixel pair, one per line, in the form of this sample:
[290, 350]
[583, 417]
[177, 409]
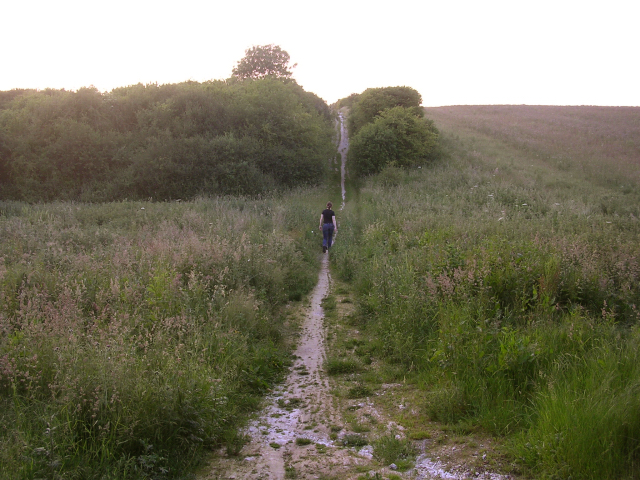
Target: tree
[396, 137]
[165, 142]
[263, 61]
[374, 100]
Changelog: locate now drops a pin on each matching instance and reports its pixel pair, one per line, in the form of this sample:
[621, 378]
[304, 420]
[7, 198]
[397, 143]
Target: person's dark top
[328, 215]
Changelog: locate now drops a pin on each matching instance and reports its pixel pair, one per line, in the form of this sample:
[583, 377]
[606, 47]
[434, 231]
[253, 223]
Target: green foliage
[354, 440]
[163, 142]
[138, 336]
[500, 283]
[337, 366]
[263, 61]
[397, 137]
[366, 106]
[588, 422]
[389, 449]
[301, 441]
[359, 391]
[346, 102]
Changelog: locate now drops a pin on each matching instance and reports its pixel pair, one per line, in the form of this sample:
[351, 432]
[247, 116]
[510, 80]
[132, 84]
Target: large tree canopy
[263, 61]
[164, 142]
[373, 101]
[396, 137]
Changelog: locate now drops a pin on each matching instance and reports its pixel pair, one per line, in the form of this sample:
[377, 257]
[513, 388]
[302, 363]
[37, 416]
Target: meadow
[137, 336]
[504, 281]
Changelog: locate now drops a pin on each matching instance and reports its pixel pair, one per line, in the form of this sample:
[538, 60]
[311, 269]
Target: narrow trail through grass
[299, 412]
[326, 422]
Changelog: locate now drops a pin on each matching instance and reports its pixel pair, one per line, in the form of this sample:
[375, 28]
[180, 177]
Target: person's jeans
[327, 234]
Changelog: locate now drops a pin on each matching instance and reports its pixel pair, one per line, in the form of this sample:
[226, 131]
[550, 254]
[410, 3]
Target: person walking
[328, 225]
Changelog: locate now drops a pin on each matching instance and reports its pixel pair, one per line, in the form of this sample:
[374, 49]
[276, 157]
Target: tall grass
[135, 336]
[510, 288]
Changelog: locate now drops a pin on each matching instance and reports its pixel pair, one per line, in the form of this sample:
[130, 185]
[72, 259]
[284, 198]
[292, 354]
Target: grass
[420, 435]
[136, 336]
[354, 440]
[505, 282]
[390, 450]
[338, 366]
[290, 403]
[359, 391]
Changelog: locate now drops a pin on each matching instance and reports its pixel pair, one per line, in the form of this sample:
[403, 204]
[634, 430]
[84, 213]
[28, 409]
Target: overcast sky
[544, 52]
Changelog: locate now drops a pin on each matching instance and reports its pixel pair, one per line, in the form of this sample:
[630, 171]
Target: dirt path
[292, 436]
[343, 149]
[301, 432]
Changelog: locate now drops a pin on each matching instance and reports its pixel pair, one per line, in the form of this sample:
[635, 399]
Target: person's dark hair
[329, 205]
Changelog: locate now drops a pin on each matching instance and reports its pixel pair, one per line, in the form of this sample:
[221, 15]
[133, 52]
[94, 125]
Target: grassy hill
[599, 144]
[505, 281]
[136, 336]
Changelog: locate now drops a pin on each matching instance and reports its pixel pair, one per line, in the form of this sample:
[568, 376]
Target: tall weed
[502, 285]
[134, 336]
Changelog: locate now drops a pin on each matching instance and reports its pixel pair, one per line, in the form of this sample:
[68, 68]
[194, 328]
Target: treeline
[387, 128]
[163, 142]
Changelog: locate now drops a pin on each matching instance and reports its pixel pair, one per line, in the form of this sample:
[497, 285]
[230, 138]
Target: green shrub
[163, 142]
[367, 106]
[359, 391]
[354, 440]
[397, 137]
[389, 449]
[337, 366]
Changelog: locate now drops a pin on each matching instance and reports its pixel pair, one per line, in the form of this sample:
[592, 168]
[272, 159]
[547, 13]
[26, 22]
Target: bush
[372, 102]
[397, 137]
[337, 366]
[354, 440]
[389, 449]
[168, 142]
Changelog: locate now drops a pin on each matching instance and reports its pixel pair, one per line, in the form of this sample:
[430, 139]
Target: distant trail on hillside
[307, 427]
[343, 148]
[302, 409]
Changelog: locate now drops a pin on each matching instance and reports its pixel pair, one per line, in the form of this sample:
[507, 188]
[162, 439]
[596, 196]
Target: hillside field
[502, 282]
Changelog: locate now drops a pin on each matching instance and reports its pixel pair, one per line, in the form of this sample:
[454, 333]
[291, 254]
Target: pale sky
[454, 52]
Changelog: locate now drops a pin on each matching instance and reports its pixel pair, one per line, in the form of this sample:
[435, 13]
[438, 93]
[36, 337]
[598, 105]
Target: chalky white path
[300, 408]
[343, 148]
[303, 407]
[301, 401]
